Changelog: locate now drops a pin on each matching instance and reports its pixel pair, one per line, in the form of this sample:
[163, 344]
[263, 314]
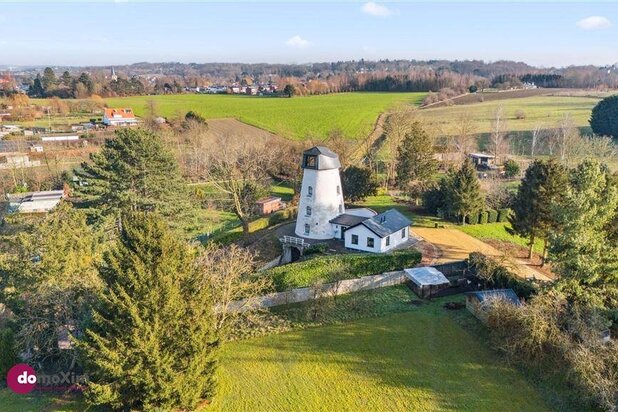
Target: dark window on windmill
[310, 162]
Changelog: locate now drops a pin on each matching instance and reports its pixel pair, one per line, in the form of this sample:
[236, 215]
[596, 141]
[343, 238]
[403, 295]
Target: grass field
[542, 110]
[298, 117]
[420, 360]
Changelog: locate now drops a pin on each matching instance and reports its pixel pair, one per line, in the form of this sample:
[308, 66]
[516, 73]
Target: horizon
[117, 34]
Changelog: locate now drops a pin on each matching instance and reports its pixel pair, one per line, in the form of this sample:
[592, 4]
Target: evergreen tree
[582, 249]
[133, 171]
[358, 183]
[49, 79]
[152, 343]
[66, 79]
[37, 90]
[415, 162]
[604, 118]
[543, 186]
[464, 192]
[49, 282]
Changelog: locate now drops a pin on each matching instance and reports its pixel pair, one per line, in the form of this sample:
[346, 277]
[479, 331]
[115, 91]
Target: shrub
[503, 215]
[8, 353]
[493, 275]
[337, 267]
[472, 219]
[483, 216]
[511, 168]
[492, 216]
[520, 115]
[316, 248]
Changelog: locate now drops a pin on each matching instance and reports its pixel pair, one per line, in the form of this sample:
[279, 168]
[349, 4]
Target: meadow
[545, 111]
[296, 118]
[421, 360]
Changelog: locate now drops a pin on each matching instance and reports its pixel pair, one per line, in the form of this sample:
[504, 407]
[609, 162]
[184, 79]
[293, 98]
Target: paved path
[457, 245]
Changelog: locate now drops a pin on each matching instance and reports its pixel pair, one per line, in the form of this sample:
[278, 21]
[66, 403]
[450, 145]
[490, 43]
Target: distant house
[34, 202]
[483, 161]
[119, 117]
[426, 281]
[269, 205]
[379, 233]
[479, 301]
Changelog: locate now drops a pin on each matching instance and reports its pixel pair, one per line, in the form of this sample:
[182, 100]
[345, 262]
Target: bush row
[337, 267]
[489, 216]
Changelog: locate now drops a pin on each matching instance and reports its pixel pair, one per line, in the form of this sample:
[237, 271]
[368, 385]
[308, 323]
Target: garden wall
[328, 289]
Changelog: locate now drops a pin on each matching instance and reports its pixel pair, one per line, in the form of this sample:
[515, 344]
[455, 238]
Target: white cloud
[375, 9]
[297, 42]
[594, 23]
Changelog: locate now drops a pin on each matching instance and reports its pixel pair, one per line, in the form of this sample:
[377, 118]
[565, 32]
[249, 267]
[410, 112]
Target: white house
[379, 233]
[321, 197]
[119, 117]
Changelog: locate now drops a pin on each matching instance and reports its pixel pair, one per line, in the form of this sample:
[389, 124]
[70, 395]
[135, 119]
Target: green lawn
[35, 402]
[541, 110]
[497, 231]
[298, 117]
[419, 360]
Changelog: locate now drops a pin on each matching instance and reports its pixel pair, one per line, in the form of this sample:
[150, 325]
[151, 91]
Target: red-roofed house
[119, 117]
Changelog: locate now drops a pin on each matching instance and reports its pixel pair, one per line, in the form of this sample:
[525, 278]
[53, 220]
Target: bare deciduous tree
[499, 127]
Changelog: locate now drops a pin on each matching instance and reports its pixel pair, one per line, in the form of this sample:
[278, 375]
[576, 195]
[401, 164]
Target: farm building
[477, 302]
[426, 281]
[17, 160]
[34, 202]
[379, 233]
[269, 205]
[119, 117]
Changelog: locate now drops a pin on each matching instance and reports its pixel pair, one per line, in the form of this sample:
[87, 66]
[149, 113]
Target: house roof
[482, 155]
[124, 113]
[485, 295]
[425, 276]
[347, 219]
[268, 200]
[386, 223]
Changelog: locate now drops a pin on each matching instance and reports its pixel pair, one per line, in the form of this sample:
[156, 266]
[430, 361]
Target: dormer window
[309, 191]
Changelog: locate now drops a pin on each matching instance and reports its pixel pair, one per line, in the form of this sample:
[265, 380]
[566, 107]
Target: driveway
[456, 245]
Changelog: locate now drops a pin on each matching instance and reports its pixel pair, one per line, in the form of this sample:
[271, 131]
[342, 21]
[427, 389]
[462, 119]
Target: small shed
[426, 281]
[483, 161]
[269, 205]
[479, 301]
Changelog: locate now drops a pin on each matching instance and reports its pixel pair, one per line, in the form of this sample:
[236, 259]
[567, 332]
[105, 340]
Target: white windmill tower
[321, 196]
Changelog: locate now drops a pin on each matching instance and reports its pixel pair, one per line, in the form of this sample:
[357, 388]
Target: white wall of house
[379, 244]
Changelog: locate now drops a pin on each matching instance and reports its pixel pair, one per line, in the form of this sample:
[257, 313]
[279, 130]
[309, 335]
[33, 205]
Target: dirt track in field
[456, 245]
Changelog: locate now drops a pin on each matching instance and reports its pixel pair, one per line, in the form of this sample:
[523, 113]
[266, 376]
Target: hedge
[338, 267]
[8, 353]
[503, 215]
[483, 218]
[492, 216]
[472, 219]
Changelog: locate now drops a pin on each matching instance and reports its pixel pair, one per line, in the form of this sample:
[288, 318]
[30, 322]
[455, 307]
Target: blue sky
[108, 33]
